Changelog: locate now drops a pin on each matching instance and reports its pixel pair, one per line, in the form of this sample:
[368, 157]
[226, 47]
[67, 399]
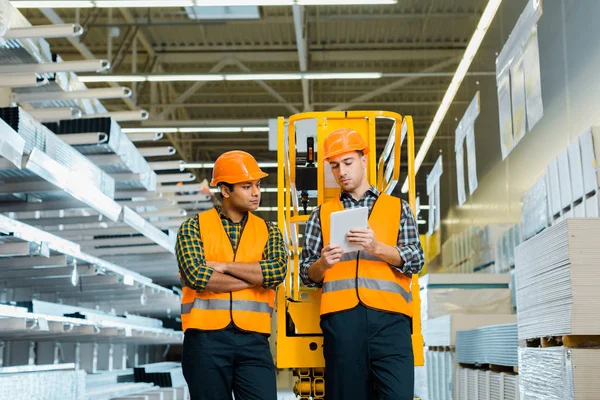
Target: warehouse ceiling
[412, 36]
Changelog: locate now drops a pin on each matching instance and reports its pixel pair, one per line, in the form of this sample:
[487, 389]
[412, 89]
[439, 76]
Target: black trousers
[217, 363]
[368, 355]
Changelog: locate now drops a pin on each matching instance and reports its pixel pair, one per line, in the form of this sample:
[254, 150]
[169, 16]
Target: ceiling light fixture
[184, 3]
[199, 129]
[287, 76]
[201, 165]
[459, 75]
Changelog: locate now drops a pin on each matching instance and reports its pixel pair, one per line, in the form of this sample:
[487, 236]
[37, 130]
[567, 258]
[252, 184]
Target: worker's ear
[225, 192]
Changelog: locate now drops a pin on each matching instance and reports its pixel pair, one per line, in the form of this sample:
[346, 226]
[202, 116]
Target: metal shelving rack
[86, 224]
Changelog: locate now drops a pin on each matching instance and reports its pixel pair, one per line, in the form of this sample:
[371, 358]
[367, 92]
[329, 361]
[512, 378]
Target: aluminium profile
[52, 171]
[12, 146]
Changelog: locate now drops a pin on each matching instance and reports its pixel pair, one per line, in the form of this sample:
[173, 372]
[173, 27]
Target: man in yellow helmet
[230, 262]
[366, 303]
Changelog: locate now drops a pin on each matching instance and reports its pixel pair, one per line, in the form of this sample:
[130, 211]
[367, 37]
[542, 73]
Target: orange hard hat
[235, 167]
[343, 140]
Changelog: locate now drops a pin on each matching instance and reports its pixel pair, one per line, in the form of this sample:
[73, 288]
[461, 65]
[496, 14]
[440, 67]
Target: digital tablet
[342, 221]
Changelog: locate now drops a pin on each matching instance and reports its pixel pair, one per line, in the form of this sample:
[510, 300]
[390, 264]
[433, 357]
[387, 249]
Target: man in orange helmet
[366, 300]
[230, 262]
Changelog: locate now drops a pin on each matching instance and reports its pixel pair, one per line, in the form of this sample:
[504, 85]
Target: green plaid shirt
[192, 264]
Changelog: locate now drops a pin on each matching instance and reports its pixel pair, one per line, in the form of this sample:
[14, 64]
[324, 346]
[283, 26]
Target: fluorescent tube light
[461, 71]
[184, 78]
[199, 129]
[285, 76]
[262, 77]
[342, 75]
[202, 165]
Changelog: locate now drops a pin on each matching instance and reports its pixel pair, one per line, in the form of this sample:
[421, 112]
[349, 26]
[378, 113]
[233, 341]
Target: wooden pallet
[491, 367]
[441, 348]
[572, 341]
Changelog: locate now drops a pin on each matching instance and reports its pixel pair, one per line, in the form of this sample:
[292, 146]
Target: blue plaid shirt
[409, 245]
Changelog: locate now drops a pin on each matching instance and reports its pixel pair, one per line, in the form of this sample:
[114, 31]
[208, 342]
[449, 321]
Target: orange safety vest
[361, 277]
[248, 309]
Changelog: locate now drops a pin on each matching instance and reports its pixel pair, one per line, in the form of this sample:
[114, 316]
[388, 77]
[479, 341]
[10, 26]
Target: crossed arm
[201, 274]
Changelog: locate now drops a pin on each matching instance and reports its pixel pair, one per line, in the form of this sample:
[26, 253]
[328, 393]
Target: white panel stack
[557, 279]
[472, 384]
[443, 294]
[495, 344]
[441, 331]
[440, 373]
[558, 373]
[483, 245]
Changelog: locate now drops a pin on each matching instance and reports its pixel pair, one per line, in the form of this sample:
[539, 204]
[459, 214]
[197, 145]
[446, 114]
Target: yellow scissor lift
[298, 337]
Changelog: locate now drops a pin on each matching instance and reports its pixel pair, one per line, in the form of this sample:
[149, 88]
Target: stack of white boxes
[557, 279]
[451, 302]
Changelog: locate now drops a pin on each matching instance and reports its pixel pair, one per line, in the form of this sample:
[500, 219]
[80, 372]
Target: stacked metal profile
[37, 136]
[472, 384]
[20, 51]
[495, 344]
[128, 160]
[165, 374]
[47, 382]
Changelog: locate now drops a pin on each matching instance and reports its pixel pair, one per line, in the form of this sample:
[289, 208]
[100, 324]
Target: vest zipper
[356, 277]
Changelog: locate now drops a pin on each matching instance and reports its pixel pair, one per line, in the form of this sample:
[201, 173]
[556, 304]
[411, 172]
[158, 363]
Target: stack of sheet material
[42, 382]
[421, 389]
[440, 374]
[443, 294]
[559, 373]
[117, 143]
[495, 344]
[39, 137]
[441, 331]
[557, 278]
[472, 384]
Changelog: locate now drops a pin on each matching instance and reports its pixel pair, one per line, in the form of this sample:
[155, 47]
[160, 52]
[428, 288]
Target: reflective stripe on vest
[248, 309]
[375, 283]
[219, 304]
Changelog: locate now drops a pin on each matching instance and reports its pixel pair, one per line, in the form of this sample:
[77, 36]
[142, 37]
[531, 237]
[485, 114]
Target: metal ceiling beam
[170, 57]
[152, 53]
[316, 56]
[182, 98]
[156, 20]
[318, 104]
[447, 44]
[300, 28]
[395, 85]
[269, 89]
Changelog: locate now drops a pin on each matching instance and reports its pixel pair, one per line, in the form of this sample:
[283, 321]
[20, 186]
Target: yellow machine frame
[303, 350]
